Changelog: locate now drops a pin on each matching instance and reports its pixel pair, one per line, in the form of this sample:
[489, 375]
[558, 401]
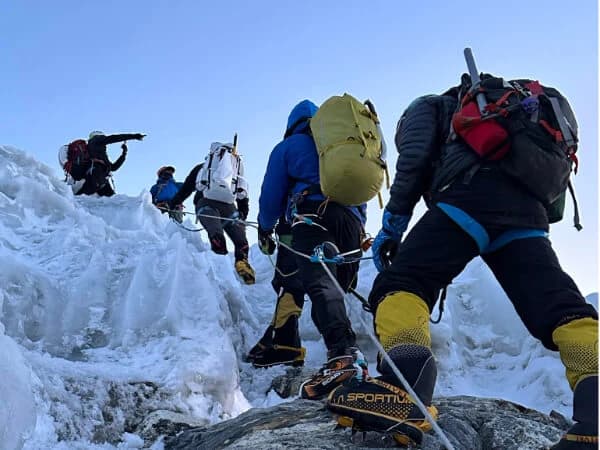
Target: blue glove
[387, 240]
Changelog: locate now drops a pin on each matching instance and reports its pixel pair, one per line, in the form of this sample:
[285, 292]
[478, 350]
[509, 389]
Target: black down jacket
[429, 167]
[97, 148]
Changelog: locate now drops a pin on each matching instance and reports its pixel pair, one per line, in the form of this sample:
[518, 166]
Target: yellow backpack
[351, 149]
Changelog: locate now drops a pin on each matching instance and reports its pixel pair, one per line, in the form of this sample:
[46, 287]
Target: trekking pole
[475, 81]
[395, 369]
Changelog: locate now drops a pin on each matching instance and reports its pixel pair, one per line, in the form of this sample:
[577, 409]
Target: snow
[109, 311]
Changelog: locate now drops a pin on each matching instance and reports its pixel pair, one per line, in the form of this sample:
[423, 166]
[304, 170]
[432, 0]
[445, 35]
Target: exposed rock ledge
[470, 424]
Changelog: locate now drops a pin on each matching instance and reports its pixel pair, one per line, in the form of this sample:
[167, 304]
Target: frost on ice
[109, 312]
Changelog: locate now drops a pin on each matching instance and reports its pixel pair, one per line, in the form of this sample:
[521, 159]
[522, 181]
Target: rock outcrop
[469, 423]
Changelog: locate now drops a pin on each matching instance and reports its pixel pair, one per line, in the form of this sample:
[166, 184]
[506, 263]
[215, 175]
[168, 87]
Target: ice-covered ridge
[109, 311]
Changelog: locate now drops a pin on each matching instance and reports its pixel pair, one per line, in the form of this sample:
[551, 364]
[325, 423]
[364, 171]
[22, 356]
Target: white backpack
[221, 177]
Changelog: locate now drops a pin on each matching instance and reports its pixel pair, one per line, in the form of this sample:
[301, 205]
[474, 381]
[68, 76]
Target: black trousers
[215, 226]
[342, 228]
[436, 250]
[286, 276]
[96, 179]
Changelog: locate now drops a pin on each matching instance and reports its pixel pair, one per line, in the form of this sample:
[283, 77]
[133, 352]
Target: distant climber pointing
[87, 166]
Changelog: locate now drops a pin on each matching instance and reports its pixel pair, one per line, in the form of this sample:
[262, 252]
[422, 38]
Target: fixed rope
[319, 257]
[395, 369]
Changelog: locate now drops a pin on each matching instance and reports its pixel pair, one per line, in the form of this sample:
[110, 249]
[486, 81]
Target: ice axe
[235, 139]
[475, 81]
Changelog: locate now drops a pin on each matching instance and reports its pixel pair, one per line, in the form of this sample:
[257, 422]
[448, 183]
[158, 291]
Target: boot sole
[406, 434]
[292, 363]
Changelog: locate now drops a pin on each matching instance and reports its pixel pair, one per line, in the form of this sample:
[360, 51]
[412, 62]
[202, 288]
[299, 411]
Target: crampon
[406, 434]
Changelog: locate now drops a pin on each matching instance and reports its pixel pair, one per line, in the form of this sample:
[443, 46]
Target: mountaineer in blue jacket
[291, 186]
[164, 190]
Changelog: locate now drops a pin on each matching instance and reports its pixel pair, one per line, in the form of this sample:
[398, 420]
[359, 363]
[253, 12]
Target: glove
[124, 148]
[386, 242]
[243, 208]
[266, 243]
[139, 136]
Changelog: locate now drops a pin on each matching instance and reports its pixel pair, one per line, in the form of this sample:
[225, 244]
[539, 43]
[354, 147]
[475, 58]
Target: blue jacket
[293, 166]
[164, 190]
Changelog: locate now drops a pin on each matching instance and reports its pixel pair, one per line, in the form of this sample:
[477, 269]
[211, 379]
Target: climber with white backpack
[221, 202]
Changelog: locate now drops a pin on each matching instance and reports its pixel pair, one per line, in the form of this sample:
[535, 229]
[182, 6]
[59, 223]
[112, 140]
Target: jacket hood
[303, 110]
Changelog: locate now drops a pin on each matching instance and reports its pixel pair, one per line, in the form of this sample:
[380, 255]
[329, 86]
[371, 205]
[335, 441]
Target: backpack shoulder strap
[209, 169]
[238, 159]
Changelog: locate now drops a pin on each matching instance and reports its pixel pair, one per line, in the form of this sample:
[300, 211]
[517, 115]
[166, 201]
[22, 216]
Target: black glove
[243, 208]
[266, 243]
[139, 136]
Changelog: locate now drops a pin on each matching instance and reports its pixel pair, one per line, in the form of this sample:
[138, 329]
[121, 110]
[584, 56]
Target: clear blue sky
[189, 72]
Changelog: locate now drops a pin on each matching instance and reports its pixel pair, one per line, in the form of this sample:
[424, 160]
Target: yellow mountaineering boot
[350, 363]
[245, 271]
[381, 404]
[280, 354]
[577, 342]
[284, 338]
[583, 434]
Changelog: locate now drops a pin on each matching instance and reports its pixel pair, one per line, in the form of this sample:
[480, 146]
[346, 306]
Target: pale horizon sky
[188, 73]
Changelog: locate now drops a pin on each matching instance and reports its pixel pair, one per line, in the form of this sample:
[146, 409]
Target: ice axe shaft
[475, 81]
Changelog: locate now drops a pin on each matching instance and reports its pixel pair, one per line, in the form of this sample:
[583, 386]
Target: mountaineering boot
[263, 344]
[255, 351]
[381, 404]
[286, 330]
[245, 271]
[218, 244]
[583, 434]
[577, 342]
[280, 354]
[285, 348]
[283, 334]
[336, 371]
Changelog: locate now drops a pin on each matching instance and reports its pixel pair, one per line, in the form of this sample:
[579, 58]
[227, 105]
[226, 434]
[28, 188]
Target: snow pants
[215, 226]
[546, 299]
[337, 224]
[96, 180]
[290, 300]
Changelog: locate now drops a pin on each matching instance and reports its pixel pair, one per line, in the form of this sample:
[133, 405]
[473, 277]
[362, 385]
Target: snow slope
[109, 311]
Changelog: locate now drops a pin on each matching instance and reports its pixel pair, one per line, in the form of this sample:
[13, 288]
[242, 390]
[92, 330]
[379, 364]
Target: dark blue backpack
[164, 190]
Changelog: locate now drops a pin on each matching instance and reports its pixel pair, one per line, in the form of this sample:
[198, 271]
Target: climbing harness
[319, 257]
